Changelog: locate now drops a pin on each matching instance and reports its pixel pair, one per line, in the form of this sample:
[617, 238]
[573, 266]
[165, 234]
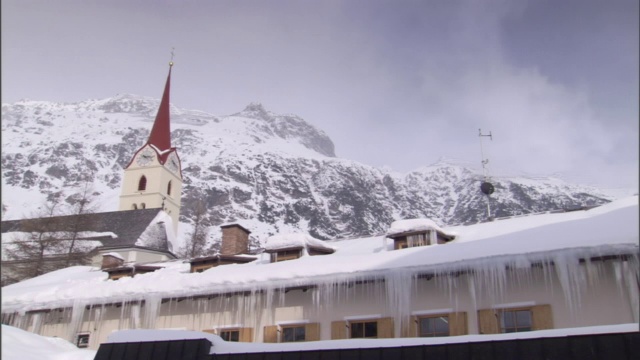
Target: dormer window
[201, 264]
[284, 255]
[293, 246]
[417, 232]
[142, 183]
[428, 237]
[129, 270]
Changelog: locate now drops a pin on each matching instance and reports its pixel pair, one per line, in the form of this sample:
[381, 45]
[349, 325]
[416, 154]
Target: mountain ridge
[271, 172]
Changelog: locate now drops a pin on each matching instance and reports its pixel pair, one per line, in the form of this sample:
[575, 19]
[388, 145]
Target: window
[230, 335]
[134, 207]
[364, 329]
[169, 188]
[293, 333]
[143, 206]
[142, 183]
[82, 340]
[515, 320]
[432, 326]
[285, 255]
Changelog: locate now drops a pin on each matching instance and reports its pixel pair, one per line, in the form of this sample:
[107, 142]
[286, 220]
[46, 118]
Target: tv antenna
[486, 187]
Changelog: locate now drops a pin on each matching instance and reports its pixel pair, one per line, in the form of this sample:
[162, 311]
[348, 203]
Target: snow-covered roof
[414, 225]
[608, 230]
[284, 241]
[115, 255]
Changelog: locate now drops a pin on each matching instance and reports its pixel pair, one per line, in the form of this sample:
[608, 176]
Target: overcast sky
[393, 83]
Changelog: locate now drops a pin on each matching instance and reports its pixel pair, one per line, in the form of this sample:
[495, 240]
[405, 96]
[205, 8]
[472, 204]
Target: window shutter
[458, 323]
[488, 322]
[210, 331]
[385, 328]
[246, 335]
[270, 334]
[541, 317]
[312, 332]
[338, 330]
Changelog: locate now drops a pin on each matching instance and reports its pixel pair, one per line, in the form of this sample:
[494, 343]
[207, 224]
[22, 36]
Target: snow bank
[283, 241]
[411, 225]
[115, 255]
[18, 344]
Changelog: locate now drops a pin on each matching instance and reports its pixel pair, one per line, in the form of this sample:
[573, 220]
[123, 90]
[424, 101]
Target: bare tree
[31, 253]
[82, 202]
[195, 244]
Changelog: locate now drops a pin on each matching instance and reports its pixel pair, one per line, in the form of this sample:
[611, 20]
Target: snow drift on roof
[283, 241]
[414, 225]
[609, 230]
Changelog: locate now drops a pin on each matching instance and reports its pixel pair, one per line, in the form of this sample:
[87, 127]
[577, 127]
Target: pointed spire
[160, 136]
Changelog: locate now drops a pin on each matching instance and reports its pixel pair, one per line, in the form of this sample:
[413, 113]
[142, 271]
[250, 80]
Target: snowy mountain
[273, 173]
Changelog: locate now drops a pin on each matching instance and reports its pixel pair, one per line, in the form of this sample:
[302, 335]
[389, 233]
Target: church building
[142, 230]
[153, 177]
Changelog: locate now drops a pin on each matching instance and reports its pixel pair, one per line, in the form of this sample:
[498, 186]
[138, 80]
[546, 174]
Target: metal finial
[171, 61]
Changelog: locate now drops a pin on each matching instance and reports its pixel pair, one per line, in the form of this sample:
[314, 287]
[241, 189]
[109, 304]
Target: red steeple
[161, 132]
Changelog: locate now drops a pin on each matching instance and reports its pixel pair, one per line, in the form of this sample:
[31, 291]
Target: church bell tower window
[142, 184]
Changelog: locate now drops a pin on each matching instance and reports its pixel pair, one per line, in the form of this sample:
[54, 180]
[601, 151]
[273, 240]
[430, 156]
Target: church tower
[153, 177]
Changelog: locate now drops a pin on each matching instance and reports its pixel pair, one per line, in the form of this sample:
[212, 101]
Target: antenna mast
[486, 187]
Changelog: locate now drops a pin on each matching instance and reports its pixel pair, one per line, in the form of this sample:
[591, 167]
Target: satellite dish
[487, 188]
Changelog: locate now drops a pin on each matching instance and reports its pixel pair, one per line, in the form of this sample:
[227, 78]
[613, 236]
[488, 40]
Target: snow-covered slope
[272, 173]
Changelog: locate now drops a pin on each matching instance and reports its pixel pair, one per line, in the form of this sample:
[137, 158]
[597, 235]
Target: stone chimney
[235, 240]
[111, 260]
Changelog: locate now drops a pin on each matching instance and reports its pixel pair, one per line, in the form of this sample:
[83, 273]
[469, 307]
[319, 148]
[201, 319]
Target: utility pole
[486, 187]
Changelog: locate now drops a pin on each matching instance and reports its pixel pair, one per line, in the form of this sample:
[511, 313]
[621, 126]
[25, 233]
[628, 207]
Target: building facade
[550, 271]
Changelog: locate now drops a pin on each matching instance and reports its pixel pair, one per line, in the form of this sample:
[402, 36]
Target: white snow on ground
[18, 344]
[607, 230]
[223, 347]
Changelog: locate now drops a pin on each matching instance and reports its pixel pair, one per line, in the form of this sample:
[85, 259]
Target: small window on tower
[142, 184]
[143, 206]
[134, 207]
[169, 188]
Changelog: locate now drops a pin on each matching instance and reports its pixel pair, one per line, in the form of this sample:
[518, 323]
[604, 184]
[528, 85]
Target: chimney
[111, 260]
[235, 240]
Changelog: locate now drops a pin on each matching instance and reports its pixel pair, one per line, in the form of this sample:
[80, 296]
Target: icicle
[398, 289]
[151, 309]
[433, 237]
[77, 314]
[135, 316]
[632, 282]
[571, 277]
[472, 291]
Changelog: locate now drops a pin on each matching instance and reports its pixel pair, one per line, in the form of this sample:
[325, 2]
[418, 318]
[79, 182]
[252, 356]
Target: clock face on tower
[145, 157]
[172, 163]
